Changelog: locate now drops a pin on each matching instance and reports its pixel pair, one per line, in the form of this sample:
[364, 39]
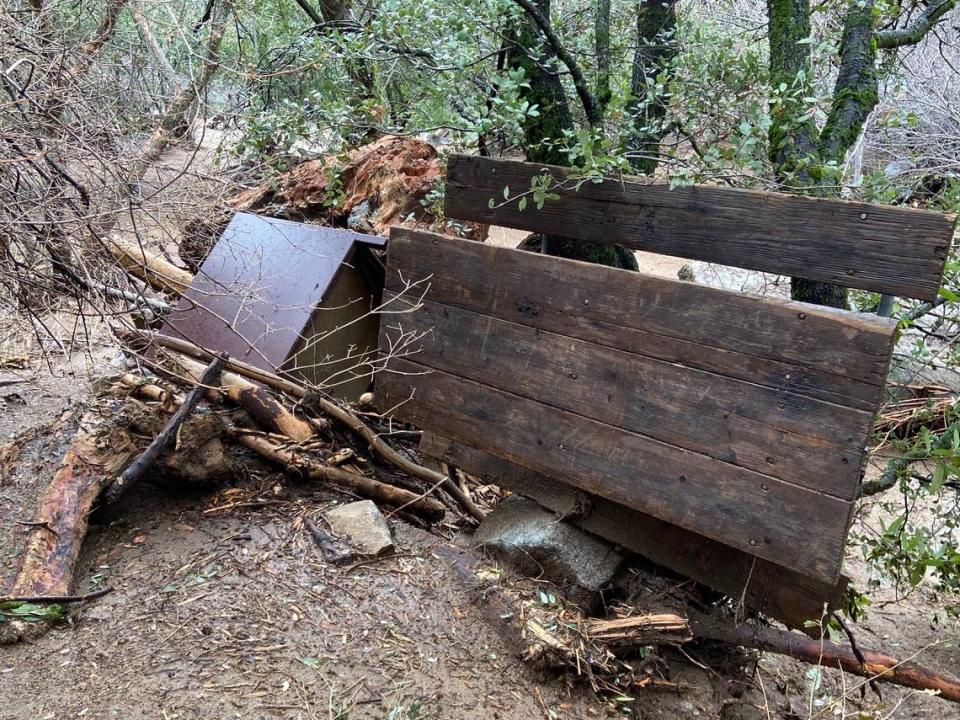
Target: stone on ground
[362, 526]
[537, 542]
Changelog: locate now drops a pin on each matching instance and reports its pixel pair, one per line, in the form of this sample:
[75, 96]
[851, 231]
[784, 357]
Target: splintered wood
[740, 418]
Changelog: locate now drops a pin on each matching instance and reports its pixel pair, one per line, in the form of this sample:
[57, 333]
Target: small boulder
[362, 526]
[536, 541]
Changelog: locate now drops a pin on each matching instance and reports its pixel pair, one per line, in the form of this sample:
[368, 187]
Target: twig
[136, 469]
[56, 599]
[339, 413]
[326, 544]
[856, 651]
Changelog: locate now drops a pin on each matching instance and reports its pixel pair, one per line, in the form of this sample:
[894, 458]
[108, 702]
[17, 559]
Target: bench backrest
[740, 418]
[895, 250]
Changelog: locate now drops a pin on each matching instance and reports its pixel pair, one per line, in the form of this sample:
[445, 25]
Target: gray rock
[536, 541]
[362, 526]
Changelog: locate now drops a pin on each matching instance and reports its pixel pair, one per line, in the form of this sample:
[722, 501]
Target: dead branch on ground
[878, 665]
[339, 413]
[302, 465]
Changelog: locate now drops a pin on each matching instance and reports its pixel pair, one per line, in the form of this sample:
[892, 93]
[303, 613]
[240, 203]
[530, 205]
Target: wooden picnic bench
[721, 434]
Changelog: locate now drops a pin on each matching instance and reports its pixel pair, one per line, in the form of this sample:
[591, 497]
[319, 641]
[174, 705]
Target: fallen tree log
[98, 452]
[262, 406]
[138, 467]
[148, 266]
[299, 464]
[876, 665]
[343, 415]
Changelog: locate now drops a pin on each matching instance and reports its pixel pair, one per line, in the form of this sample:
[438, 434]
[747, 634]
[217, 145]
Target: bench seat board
[727, 419]
[774, 590]
[846, 243]
[536, 372]
[812, 351]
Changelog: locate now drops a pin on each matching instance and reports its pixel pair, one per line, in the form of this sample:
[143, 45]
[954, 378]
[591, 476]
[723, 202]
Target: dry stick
[339, 413]
[300, 464]
[136, 469]
[148, 266]
[261, 405]
[326, 544]
[877, 665]
[56, 599]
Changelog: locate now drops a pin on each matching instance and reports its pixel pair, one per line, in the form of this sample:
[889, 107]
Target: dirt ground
[223, 607]
[233, 613]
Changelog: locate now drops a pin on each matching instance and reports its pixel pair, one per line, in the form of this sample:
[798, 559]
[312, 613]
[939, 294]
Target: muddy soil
[224, 607]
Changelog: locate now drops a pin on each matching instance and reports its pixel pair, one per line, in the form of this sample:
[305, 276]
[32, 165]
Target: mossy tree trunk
[544, 133]
[647, 107]
[806, 160]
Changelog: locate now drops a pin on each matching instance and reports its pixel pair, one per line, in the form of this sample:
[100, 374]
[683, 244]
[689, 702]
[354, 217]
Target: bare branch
[915, 32]
[590, 105]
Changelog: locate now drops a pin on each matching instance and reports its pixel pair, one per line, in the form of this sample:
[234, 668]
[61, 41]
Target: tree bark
[545, 132]
[855, 92]
[793, 134]
[97, 453]
[602, 46]
[647, 108]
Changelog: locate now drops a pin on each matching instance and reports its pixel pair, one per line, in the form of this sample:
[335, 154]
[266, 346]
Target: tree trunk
[646, 109]
[545, 131]
[793, 134]
[602, 46]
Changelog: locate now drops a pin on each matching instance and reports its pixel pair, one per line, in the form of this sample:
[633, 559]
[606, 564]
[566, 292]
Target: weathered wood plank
[900, 251]
[792, 347]
[772, 519]
[774, 590]
[811, 443]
